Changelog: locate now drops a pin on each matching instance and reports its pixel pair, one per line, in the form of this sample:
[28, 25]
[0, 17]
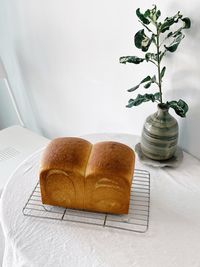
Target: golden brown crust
[76, 174]
[66, 154]
[108, 178]
[111, 158]
[107, 194]
[62, 172]
[63, 189]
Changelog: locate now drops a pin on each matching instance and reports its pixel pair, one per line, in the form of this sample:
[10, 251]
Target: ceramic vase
[160, 135]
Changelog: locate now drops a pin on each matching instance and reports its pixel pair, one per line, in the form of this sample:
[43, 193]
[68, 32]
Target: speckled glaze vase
[160, 135]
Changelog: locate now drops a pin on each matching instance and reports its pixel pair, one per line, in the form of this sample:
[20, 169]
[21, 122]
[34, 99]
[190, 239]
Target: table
[172, 238]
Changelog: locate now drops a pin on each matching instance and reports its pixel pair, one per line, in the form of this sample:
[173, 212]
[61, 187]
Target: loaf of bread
[76, 174]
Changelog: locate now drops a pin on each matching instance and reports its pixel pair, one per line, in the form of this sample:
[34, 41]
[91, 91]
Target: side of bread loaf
[62, 172]
[108, 178]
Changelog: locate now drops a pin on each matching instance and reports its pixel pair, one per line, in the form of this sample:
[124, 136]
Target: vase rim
[163, 106]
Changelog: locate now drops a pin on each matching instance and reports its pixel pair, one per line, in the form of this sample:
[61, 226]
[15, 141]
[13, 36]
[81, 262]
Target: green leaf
[162, 55]
[152, 14]
[147, 13]
[139, 36]
[158, 14]
[177, 33]
[141, 99]
[165, 26]
[131, 59]
[142, 17]
[134, 88]
[169, 34]
[174, 45]
[142, 41]
[147, 85]
[153, 38]
[180, 107]
[148, 78]
[187, 23]
[172, 48]
[163, 72]
[169, 21]
[151, 56]
[153, 79]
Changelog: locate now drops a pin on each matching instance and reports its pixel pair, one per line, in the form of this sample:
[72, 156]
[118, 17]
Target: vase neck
[162, 110]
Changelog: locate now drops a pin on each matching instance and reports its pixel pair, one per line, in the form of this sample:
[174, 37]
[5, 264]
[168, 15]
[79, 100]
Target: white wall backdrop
[62, 62]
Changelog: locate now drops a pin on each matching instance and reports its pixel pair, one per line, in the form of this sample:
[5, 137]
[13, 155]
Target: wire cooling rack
[137, 220]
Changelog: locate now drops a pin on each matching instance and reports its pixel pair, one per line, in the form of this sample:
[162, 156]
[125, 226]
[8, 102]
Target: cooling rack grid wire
[137, 220]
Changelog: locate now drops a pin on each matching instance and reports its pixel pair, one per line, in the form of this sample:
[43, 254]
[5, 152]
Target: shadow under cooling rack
[137, 220]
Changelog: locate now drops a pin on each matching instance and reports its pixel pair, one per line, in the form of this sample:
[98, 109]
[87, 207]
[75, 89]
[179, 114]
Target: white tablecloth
[173, 238]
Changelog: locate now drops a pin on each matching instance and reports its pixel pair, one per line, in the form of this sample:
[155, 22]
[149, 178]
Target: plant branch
[153, 62]
[146, 27]
[158, 59]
